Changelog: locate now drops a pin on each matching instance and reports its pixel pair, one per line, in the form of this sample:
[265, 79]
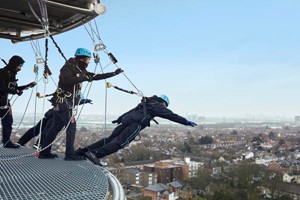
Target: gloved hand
[118, 71]
[19, 92]
[117, 121]
[190, 123]
[83, 101]
[31, 85]
[88, 77]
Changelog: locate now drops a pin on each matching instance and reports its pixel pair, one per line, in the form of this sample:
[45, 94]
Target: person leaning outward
[67, 96]
[129, 126]
[9, 85]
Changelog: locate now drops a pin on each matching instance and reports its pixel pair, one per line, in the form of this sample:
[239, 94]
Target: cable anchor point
[108, 85]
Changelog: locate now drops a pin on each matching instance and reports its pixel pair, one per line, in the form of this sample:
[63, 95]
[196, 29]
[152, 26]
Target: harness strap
[61, 95]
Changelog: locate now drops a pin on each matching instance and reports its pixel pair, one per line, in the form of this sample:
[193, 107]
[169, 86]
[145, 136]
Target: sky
[210, 57]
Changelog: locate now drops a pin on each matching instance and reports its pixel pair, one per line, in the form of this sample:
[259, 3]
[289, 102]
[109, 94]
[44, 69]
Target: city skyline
[212, 58]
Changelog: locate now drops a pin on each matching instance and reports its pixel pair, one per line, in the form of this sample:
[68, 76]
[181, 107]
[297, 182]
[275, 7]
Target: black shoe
[21, 144]
[91, 157]
[74, 157]
[9, 144]
[81, 151]
[47, 155]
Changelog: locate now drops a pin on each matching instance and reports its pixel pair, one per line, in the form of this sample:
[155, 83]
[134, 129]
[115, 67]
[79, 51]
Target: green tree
[246, 176]
[281, 142]
[206, 140]
[234, 132]
[222, 192]
[272, 135]
[201, 180]
[186, 148]
[139, 153]
[271, 180]
[257, 140]
[284, 197]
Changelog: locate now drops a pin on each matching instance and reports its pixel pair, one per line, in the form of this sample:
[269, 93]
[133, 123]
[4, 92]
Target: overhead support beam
[83, 11]
[25, 23]
[57, 31]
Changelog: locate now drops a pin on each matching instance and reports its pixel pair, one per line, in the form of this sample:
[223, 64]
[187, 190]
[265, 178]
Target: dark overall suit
[72, 74]
[130, 125]
[46, 123]
[34, 131]
[8, 85]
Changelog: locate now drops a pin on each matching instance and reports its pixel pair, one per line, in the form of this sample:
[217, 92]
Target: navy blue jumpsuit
[72, 74]
[8, 85]
[130, 125]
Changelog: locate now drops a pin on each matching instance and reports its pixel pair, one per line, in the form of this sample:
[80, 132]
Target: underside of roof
[18, 23]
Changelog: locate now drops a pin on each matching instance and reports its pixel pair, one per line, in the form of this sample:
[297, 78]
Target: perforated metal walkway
[22, 176]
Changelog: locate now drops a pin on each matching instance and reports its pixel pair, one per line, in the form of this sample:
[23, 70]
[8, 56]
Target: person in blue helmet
[67, 96]
[129, 126]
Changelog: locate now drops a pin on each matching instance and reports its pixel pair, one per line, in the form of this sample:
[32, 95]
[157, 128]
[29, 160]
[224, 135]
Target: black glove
[83, 101]
[88, 77]
[117, 121]
[118, 71]
[19, 92]
[190, 123]
[31, 85]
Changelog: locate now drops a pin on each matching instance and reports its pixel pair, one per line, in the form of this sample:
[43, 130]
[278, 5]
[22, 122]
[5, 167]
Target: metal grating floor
[22, 176]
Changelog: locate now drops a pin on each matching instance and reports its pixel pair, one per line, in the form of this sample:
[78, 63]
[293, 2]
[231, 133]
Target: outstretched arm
[25, 87]
[106, 75]
[163, 112]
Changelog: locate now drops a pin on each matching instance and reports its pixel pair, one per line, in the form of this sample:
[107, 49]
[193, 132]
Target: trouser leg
[124, 138]
[51, 133]
[70, 139]
[7, 121]
[104, 141]
[31, 133]
[47, 126]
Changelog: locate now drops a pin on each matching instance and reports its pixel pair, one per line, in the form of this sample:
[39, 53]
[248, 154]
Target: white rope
[24, 113]
[43, 113]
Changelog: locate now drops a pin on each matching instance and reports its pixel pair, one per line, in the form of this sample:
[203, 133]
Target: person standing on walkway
[9, 85]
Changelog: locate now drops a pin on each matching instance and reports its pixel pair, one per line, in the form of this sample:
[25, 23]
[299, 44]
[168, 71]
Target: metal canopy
[18, 23]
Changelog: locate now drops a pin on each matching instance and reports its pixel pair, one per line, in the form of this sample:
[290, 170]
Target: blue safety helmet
[165, 98]
[83, 52]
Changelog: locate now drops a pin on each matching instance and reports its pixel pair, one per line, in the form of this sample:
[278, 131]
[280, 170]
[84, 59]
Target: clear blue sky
[211, 57]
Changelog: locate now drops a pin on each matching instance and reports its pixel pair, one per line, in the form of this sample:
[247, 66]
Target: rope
[59, 49]
[46, 68]
[101, 46]
[98, 47]
[24, 113]
[10, 106]
[37, 51]
[43, 111]
[3, 61]
[44, 16]
[35, 105]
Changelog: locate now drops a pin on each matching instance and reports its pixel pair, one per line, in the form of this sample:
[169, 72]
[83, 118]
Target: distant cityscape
[250, 158]
[100, 119]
